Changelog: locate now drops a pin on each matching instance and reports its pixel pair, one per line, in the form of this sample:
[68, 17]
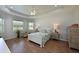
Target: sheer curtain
[1, 27]
[17, 25]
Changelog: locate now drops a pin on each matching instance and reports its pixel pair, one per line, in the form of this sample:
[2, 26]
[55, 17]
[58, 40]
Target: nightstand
[55, 35]
[25, 35]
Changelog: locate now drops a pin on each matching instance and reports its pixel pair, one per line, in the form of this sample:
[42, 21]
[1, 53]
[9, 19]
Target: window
[17, 25]
[1, 26]
[31, 25]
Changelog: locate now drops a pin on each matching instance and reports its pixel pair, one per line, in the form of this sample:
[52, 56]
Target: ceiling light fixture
[33, 12]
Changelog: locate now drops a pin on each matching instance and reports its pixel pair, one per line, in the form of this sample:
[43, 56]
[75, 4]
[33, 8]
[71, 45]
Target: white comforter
[39, 37]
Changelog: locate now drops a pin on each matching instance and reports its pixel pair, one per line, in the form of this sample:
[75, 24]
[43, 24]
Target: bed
[39, 37]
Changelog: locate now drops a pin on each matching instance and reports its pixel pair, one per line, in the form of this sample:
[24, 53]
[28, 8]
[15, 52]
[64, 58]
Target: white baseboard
[63, 40]
[7, 38]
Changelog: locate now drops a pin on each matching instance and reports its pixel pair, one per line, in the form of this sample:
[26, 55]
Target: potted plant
[18, 33]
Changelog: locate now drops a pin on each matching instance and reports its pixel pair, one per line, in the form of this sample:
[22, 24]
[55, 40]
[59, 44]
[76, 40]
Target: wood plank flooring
[22, 45]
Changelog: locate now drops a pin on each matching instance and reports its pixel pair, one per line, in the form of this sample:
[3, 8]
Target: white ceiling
[39, 9]
[25, 10]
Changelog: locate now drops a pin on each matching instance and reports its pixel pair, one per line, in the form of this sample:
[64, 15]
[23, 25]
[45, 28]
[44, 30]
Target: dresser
[73, 36]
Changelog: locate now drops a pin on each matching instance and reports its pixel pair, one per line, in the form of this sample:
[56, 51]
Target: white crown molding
[15, 13]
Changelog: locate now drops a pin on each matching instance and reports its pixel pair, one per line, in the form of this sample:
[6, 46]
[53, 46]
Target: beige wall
[63, 17]
[8, 25]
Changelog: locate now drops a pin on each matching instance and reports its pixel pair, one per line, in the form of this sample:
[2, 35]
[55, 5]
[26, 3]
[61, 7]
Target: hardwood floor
[22, 45]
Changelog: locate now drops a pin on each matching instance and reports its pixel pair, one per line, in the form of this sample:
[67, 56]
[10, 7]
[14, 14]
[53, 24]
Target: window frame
[31, 24]
[17, 25]
[2, 24]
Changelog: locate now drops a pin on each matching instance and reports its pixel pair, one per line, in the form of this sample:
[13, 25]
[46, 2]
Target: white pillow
[45, 30]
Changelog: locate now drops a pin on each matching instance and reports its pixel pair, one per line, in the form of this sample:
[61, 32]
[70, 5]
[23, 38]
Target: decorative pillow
[36, 30]
[45, 30]
[48, 30]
